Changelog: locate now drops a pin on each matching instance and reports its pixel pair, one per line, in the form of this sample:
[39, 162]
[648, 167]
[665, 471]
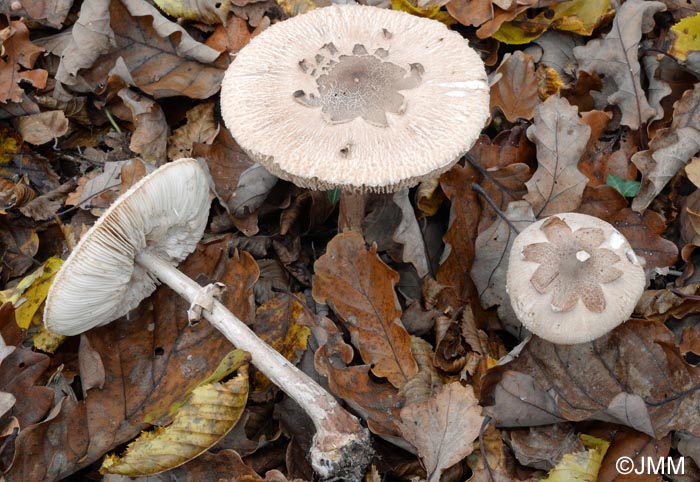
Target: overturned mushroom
[138, 240]
[357, 98]
[573, 278]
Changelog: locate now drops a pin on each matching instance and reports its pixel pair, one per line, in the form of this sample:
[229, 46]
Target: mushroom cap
[356, 97]
[164, 213]
[573, 278]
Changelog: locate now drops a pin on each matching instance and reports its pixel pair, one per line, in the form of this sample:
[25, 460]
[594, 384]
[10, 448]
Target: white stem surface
[335, 428]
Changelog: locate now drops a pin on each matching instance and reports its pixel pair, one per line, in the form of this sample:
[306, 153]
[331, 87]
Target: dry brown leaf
[474, 12]
[18, 246]
[670, 150]
[504, 186]
[443, 428]
[18, 53]
[515, 93]
[491, 261]
[557, 185]
[378, 403]
[600, 380]
[625, 442]
[458, 256]
[615, 57]
[21, 374]
[44, 127]
[360, 287]
[150, 137]
[200, 128]
[46, 12]
[543, 447]
[661, 305]
[644, 231]
[132, 39]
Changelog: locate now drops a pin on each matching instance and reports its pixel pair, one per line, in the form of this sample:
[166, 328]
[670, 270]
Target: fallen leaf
[443, 428]
[580, 466]
[581, 17]
[150, 135]
[515, 93]
[670, 150]
[205, 11]
[458, 256]
[131, 39]
[600, 380]
[557, 185]
[18, 52]
[684, 37]
[543, 447]
[44, 127]
[615, 57]
[474, 12]
[18, 246]
[200, 128]
[625, 442]
[360, 288]
[46, 12]
[209, 413]
[491, 262]
[276, 324]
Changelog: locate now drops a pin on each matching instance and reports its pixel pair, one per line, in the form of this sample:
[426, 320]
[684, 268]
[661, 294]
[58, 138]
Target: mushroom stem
[341, 446]
[352, 211]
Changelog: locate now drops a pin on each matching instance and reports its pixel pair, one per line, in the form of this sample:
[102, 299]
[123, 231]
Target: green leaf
[334, 196]
[625, 187]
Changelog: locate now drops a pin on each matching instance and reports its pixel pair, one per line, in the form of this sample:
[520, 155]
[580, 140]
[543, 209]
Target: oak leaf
[360, 287]
[443, 428]
[19, 56]
[670, 150]
[515, 93]
[560, 135]
[615, 57]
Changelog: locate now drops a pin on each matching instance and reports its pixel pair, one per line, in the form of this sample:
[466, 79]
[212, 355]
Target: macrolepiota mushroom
[573, 278]
[138, 240]
[357, 98]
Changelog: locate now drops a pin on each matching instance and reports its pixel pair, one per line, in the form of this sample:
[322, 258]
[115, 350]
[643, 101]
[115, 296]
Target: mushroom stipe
[147, 230]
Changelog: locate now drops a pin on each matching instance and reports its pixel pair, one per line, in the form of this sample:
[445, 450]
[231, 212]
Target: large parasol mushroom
[138, 241]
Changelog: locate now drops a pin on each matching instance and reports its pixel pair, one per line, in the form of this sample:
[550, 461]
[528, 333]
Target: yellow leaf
[433, 12]
[580, 466]
[205, 11]
[211, 411]
[46, 340]
[686, 37]
[31, 292]
[296, 7]
[286, 336]
[576, 16]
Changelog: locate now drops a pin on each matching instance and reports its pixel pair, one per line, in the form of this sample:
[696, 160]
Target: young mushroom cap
[356, 97]
[573, 278]
[163, 214]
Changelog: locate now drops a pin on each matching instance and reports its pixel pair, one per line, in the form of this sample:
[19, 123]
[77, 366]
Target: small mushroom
[358, 98]
[573, 278]
[139, 239]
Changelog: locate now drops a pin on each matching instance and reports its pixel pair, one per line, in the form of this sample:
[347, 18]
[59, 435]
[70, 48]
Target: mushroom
[359, 98]
[137, 241]
[573, 278]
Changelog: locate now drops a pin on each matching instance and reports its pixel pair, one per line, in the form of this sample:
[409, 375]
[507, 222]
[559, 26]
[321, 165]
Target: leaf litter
[594, 110]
